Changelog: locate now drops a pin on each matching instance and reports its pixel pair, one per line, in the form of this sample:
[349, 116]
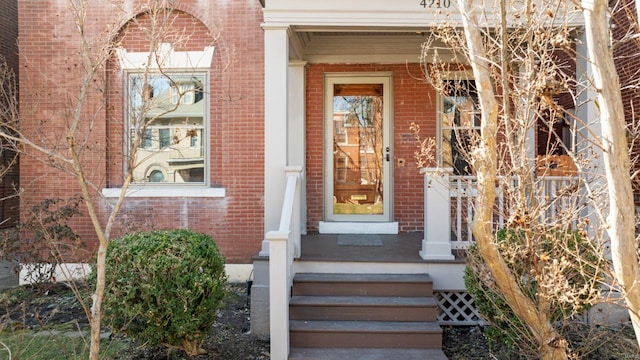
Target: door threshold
[334, 227]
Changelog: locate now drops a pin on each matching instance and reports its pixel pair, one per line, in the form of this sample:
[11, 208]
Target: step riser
[358, 289]
[386, 312]
[366, 354]
[363, 313]
[366, 340]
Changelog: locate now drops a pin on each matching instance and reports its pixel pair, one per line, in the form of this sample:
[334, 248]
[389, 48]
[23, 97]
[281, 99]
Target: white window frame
[440, 128]
[173, 62]
[170, 73]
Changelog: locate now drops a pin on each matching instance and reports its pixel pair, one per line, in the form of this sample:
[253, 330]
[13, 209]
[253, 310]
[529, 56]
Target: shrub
[556, 267]
[45, 240]
[163, 287]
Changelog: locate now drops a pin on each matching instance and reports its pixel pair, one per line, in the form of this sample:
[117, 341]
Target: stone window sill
[166, 192]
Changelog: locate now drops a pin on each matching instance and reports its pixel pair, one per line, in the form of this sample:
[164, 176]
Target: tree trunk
[485, 162]
[96, 308]
[620, 218]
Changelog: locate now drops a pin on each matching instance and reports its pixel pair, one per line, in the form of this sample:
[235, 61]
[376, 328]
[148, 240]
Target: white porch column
[276, 62]
[588, 132]
[436, 244]
[586, 109]
[296, 134]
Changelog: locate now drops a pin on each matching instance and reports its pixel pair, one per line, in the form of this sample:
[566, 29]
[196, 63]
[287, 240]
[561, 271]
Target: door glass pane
[357, 149]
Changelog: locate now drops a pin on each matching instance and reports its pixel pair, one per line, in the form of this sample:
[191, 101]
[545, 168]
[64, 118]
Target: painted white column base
[436, 250]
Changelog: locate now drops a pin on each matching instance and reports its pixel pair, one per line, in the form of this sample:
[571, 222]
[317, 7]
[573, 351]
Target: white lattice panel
[457, 308]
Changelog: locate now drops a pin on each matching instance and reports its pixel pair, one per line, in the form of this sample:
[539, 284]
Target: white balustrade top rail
[556, 196]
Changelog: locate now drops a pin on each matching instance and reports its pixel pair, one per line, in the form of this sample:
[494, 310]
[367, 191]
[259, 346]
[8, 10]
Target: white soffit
[367, 47]
[166, 57]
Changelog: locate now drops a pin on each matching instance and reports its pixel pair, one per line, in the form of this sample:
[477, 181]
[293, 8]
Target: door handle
[387, 156]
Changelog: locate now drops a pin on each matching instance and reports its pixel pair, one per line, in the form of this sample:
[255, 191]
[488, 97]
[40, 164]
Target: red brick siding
[9, 208]
[413, 101]
[627, 58]
[49, 48]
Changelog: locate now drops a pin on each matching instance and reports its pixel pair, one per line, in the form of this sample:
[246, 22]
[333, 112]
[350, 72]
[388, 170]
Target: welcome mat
[359, 240]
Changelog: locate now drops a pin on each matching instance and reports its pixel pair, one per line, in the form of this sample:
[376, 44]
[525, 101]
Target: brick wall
[9, 208]
[413, 101]
[53, 71]
[627, 58]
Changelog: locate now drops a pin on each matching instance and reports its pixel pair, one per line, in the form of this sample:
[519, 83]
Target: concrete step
[365, 334]
[371, 308]
[312, 284]
[365, 354]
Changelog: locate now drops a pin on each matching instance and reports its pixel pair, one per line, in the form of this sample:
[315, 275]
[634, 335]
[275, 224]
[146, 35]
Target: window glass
[156, 176]
[166, 118]
[460, 124]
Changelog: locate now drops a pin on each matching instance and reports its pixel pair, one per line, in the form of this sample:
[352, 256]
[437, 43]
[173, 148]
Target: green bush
[558, 267]
[163, 287]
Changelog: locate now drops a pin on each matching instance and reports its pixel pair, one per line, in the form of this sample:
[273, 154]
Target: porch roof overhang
[401, 15]
[378, 31]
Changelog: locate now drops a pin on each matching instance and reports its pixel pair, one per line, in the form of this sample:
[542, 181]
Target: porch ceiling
[350, 46]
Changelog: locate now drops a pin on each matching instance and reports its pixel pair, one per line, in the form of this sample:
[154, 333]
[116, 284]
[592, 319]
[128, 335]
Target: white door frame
[386, 79]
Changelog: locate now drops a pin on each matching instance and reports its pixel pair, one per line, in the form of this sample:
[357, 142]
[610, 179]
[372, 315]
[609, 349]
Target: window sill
[166, 192]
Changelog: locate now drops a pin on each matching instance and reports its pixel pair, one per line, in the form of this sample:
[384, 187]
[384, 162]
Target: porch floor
[400, 248]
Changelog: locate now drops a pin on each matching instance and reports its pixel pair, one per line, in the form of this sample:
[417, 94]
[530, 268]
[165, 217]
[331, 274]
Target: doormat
[359, 240]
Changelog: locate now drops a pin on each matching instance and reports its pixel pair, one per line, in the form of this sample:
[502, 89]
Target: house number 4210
[435, 3]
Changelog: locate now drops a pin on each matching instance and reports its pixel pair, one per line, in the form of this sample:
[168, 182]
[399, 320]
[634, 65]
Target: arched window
[156, 176]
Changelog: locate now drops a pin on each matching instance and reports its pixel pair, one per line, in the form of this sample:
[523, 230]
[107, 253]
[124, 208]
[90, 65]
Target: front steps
[364, 316]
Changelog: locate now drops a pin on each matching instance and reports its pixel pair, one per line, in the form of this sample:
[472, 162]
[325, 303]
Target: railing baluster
[460, 192]
[471, 193]
[553, 193]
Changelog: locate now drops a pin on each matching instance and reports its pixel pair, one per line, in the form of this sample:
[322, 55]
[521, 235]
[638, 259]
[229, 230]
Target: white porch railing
[284, 246]
[450, 230]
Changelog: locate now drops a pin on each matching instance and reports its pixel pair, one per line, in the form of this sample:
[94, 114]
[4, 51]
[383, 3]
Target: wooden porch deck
[400, 248]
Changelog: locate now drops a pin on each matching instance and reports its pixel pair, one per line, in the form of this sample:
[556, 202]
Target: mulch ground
[230, 339]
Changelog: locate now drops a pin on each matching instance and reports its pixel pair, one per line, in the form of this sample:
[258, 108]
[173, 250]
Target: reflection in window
[357, 143]
[147, 139]
[156, 176]
[167, 116]
[460, 124]
[194, 140]
[165, 138]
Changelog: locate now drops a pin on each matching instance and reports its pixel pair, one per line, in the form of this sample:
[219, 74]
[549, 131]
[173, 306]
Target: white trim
[408, 15]
[325, 227]
[62, 272]
[236, 273]
[446, 275]
[166, 192]
[166, 57]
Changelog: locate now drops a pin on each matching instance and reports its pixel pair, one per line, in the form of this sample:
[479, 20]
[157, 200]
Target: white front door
[358, 151]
